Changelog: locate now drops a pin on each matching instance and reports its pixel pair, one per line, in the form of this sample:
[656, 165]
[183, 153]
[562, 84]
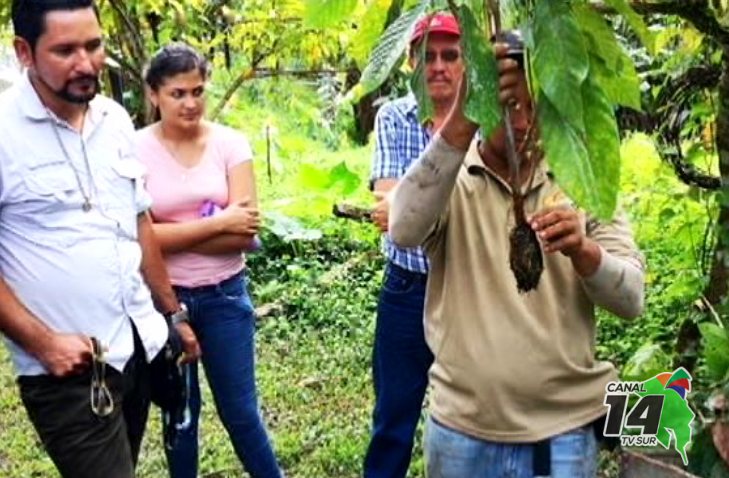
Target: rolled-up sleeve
[618, 285]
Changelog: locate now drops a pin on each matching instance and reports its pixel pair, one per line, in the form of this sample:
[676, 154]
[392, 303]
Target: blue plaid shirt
[400, 140]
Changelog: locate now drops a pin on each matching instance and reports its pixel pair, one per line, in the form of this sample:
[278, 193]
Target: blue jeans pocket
[398, 281]
[233, 289]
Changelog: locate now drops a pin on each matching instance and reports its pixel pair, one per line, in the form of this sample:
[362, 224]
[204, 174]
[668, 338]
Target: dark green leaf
[635, 21]
[419, 87]
[569, 159]
[327, 13]
[603, 144]
[560, 61]
[482, 102]
[390, 49]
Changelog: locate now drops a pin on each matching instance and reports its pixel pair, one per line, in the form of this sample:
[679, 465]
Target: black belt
[542, 455]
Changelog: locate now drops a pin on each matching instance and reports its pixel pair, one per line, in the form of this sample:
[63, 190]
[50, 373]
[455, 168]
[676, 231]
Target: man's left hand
[560, 230]
[190, 344]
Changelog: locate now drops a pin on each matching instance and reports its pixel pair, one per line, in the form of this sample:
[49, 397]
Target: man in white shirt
[77, 253]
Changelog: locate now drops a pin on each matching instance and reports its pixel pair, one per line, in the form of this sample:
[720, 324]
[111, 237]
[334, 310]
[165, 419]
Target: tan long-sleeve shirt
[508, 367]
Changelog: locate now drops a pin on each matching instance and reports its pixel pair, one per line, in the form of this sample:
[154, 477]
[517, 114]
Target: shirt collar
[410, 107]
[33, 108]
[475, 165]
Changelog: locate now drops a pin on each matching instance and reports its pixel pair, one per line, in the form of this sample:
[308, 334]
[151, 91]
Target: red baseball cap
[437, 23]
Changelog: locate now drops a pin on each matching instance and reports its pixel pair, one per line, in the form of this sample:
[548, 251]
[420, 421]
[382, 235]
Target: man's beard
[65, 92]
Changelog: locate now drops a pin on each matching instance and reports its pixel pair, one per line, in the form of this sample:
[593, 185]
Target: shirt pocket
[50, 181]
[123, 197]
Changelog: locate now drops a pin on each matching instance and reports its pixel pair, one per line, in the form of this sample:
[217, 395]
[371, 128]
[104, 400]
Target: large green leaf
[290, 229]
[610, 65]
[327, 13]
[565, 151]
[571, 161]
[716, 350]
[390, 49]
[635, 21]
[482, 103]
[419, 87]
[560, 61]
[603, 145]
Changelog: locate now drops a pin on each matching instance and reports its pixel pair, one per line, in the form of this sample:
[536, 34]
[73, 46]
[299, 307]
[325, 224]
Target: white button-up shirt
[79, 272]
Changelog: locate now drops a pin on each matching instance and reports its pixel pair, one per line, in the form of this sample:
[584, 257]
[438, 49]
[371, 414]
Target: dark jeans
[223, 319]
[400, 363]
[81, 444]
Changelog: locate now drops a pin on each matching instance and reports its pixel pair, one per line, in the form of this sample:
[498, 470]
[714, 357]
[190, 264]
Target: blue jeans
[451, 454]
[223, 319]
[400, 363]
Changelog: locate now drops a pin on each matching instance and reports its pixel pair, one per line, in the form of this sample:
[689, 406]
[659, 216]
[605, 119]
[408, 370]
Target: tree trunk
[716, 289]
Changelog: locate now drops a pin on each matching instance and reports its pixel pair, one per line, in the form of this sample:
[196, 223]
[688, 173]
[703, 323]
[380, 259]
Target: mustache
[438, 78]
[84, 79]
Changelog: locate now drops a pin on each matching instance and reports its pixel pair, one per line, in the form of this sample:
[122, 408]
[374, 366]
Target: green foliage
[326, 13]
[419, 86]
[369, 31]
[560, 63]
[716, 351]
[669, 225]
[482, 103]
[389, 51]
[580, 75]
[635, 21]
[647, 362]
[610, 66]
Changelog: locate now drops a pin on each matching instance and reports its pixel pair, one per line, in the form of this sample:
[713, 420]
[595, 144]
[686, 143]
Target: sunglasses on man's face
[446, 56]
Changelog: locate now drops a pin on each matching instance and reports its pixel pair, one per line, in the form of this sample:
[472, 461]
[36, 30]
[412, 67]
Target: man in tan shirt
[511, 370]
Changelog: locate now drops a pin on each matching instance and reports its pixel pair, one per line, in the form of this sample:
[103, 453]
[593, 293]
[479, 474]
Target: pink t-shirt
[179, 192]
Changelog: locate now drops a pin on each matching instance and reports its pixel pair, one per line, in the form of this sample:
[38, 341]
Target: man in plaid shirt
[401, 358]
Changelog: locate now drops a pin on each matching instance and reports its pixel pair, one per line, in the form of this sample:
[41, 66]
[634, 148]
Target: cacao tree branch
[244, 76]
[269, 72]
[689, 175]
[131, 30]
[696, 12]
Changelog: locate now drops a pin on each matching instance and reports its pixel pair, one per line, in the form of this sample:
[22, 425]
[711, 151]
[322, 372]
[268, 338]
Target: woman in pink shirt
[200, 177]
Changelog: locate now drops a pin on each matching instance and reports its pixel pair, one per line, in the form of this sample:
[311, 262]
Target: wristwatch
[180, 315]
